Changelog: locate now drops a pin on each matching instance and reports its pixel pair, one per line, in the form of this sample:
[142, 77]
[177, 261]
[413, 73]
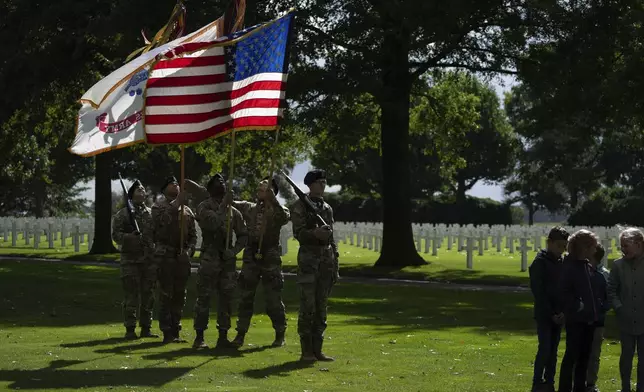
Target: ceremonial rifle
[130, 207]
[305, 199]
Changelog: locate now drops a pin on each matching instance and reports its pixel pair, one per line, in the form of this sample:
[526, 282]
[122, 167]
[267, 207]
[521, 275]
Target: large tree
[382, 48]
[459, 135]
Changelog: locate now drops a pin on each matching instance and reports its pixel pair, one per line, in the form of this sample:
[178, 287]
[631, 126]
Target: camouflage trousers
[173, 278]
[215, 275]
[139, 281]
[316, 275]
[270, 274]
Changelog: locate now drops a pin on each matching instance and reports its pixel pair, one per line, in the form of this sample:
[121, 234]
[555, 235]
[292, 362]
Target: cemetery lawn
[61, 330]
[448, 266]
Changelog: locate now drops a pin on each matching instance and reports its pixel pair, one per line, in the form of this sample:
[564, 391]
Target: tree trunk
[40, 196]
[460, 190]
[460, 199]
[531, 212]
[574, 198]
[103, 202]
[398, 248]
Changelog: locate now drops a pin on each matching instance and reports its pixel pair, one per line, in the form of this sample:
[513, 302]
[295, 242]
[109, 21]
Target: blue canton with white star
[263, 50]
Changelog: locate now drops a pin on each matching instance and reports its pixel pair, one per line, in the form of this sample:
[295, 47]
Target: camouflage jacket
[304, 223]
[166, 228]
[133, 247]
[212, 217]
[254, 213]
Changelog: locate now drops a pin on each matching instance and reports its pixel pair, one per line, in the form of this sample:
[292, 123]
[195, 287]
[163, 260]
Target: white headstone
[524, 248]
[63, 234]
[606, 242]
[36, 229]
[481, 246]
[14, 233]
[50, 234]
[76, 239]
[27, 233]
[537, 241]
[469, 249]
[378, 241]
[510, 242]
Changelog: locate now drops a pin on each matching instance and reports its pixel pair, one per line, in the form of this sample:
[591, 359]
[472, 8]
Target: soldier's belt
[265, 245]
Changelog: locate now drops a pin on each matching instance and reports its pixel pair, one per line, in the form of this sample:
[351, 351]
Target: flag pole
[271, 168]
[230, 186]
[183, 183]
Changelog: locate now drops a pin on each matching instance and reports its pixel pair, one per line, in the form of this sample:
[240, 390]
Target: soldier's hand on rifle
[228, 199]
[322, 233]
[182, 197]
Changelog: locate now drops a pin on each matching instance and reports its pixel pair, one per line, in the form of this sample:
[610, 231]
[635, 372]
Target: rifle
[129, 206]
[305, 199]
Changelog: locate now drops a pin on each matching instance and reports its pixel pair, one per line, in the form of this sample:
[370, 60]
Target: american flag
[206, 89]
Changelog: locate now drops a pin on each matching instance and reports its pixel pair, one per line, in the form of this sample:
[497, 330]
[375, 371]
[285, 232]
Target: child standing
[600, 276]
[544, 283]
[582, 298]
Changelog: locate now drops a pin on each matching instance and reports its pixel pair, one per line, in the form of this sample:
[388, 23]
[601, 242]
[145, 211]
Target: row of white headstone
[428, 237]
[468, 238]
[30, 231]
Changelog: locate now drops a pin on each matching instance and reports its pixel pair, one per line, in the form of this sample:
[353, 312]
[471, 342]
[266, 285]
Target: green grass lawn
[449, 266]
[60, 328]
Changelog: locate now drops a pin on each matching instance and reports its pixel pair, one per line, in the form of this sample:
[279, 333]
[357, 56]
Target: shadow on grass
[209, 352]
[94, 343]
[53, 377]
[464, 276]
[130, 347]
[83, 295]
[280, 370]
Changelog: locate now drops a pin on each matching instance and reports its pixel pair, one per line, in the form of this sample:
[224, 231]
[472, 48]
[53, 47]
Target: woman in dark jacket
[582, 301]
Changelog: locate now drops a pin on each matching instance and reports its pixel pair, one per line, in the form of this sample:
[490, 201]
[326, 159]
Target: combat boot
[130, 334]
[199, 340]
[145, 333]
[223, 342]
[317, 350]
[176, 337]
[279, 339]
[307, 349]
[239, 339]
[168, 336]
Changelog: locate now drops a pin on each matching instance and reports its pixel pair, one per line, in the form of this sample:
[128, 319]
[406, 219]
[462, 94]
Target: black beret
[137, 184]
[216, 177]
[274, 183]
[313, 176]
[168, 181]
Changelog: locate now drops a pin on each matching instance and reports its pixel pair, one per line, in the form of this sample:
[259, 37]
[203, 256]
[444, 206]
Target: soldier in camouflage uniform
[269, 216]
[317, 263]
[172, 257]
[218, 261]
[138, 270]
